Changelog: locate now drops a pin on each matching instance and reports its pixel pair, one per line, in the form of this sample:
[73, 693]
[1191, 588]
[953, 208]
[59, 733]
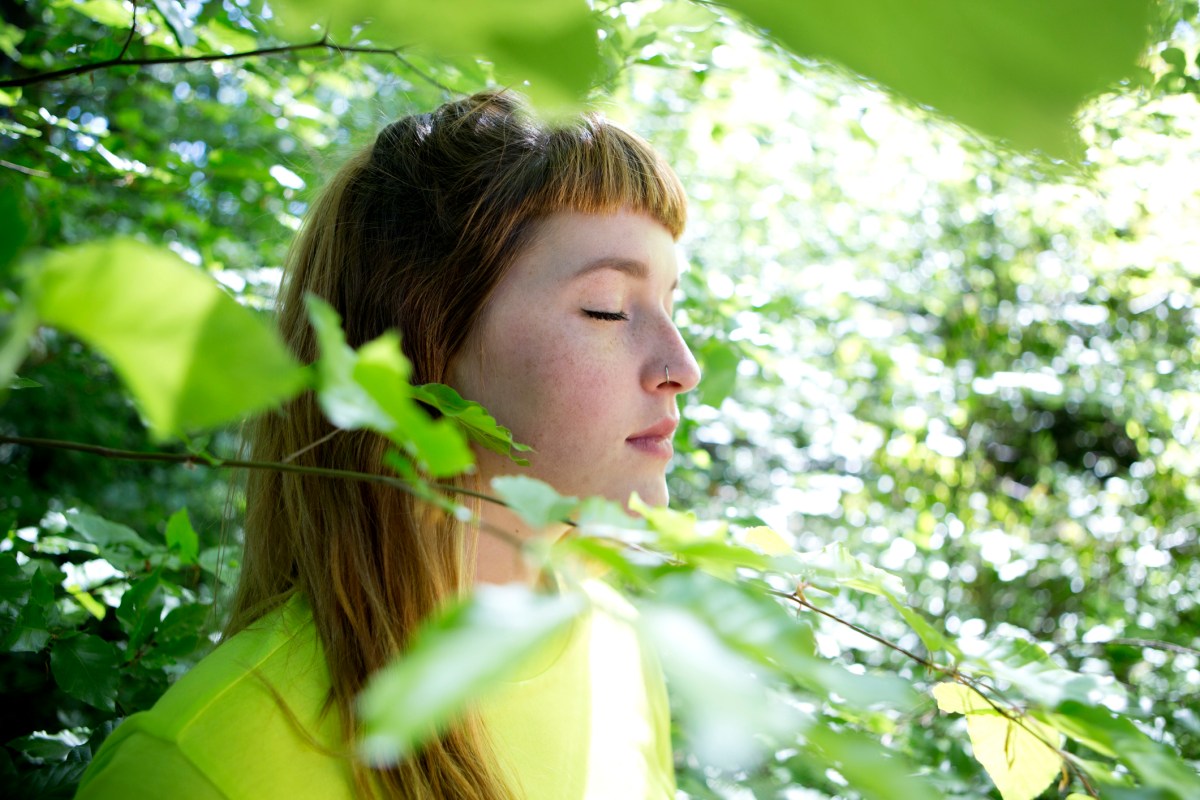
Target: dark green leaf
[182, 537]
[85, 667]
[474, 418]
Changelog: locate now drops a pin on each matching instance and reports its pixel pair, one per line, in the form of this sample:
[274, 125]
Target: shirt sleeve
[143, 766]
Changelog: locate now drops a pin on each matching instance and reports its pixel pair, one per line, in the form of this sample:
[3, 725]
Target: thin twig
[83, 69]
[1011, 713]
[37, 173]
[1155, 645]
[132, 31]
[311, 445]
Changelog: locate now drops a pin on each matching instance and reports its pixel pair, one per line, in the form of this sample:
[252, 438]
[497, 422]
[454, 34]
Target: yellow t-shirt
[587, 718]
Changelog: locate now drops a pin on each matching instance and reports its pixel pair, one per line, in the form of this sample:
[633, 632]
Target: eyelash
[610, 316]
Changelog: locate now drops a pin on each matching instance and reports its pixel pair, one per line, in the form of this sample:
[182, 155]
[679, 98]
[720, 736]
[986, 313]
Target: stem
[82, 69]
[1011, 712]
[205, 460]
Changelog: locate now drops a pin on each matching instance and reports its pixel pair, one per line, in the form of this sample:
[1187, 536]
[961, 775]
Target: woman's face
[572, 354]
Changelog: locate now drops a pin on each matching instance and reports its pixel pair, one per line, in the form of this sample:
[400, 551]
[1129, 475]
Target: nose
[671, 367]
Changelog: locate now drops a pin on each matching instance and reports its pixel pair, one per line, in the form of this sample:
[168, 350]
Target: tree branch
[82, 69]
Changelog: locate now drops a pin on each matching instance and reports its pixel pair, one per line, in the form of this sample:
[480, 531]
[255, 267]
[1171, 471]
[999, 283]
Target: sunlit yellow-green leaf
[1018, 754]
[189, 353]
[766, 540]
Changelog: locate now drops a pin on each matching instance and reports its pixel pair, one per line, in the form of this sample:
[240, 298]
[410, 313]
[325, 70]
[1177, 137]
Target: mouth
[655, 440]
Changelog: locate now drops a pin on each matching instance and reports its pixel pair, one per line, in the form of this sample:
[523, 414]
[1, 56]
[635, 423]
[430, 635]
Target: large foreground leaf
[1017, 69]
[551, 43]
[189, 353]
[456, 657]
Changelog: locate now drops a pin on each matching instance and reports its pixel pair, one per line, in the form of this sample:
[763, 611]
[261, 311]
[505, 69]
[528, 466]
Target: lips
[655, 440]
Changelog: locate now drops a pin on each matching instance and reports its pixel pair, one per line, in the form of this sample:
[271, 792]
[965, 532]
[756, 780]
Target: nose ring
[667, 372]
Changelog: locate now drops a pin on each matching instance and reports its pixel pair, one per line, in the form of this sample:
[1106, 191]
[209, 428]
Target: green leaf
[719, 362]
[1013, 69]
[89, 603]
[1017, 754]
[877, 772]
[479, 425]
[727, 709]
[141, 609]
[834, 565]
[118, 543]
[930, 636]
[191, 355]
[438, 446]
[85, 667]
[23, 383]
[369, 389]
[344, 401]
[534, 501]
[182, 537]
[13, 228]
[181, 630]
[177, 20]
[456, 656]
[14, 583]
[551, 43]
[111, 13]
[1116, 737]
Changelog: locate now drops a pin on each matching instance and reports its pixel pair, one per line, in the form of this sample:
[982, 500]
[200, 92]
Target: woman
[532, 268]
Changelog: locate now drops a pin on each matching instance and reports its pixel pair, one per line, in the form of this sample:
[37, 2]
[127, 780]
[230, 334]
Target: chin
[653, 493]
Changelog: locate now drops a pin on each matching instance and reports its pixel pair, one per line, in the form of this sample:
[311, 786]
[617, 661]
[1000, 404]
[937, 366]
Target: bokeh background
[973, 363]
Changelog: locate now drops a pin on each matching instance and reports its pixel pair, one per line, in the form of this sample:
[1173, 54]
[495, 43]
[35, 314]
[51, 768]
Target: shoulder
[247, 721]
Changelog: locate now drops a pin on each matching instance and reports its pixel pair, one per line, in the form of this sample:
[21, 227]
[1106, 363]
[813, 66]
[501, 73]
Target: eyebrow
[630, 266]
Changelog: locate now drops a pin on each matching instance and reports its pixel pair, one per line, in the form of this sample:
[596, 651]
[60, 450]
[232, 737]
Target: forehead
[572, 245]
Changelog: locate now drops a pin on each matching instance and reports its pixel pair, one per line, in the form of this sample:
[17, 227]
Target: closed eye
[611, 316]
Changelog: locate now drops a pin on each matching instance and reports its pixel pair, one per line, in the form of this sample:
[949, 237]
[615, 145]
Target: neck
[500, 557]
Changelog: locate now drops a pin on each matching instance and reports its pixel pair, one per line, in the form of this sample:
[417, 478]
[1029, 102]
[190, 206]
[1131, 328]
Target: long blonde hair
[413, 233]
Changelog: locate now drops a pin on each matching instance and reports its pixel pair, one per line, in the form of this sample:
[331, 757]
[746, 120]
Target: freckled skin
[573, 387]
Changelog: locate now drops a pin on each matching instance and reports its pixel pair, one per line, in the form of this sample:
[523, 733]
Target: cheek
[559, 389]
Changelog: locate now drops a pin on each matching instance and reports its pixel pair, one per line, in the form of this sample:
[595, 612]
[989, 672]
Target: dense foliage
[925, 351]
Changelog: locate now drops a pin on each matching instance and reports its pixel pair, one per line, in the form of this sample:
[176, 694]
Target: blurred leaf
[1117, 737]
[1010, 68]
[182, 537]
[456, 656]
[177, 19]
[112, 13]
[190, 354]
[85, 667]
[13, 228]
[726, 707]
[551, 43]
[834, 565]
[930, 636]
[719, 362]
[89, 603]
[870, 768]
[1014, 753]
[766, 540]
[534, 501]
